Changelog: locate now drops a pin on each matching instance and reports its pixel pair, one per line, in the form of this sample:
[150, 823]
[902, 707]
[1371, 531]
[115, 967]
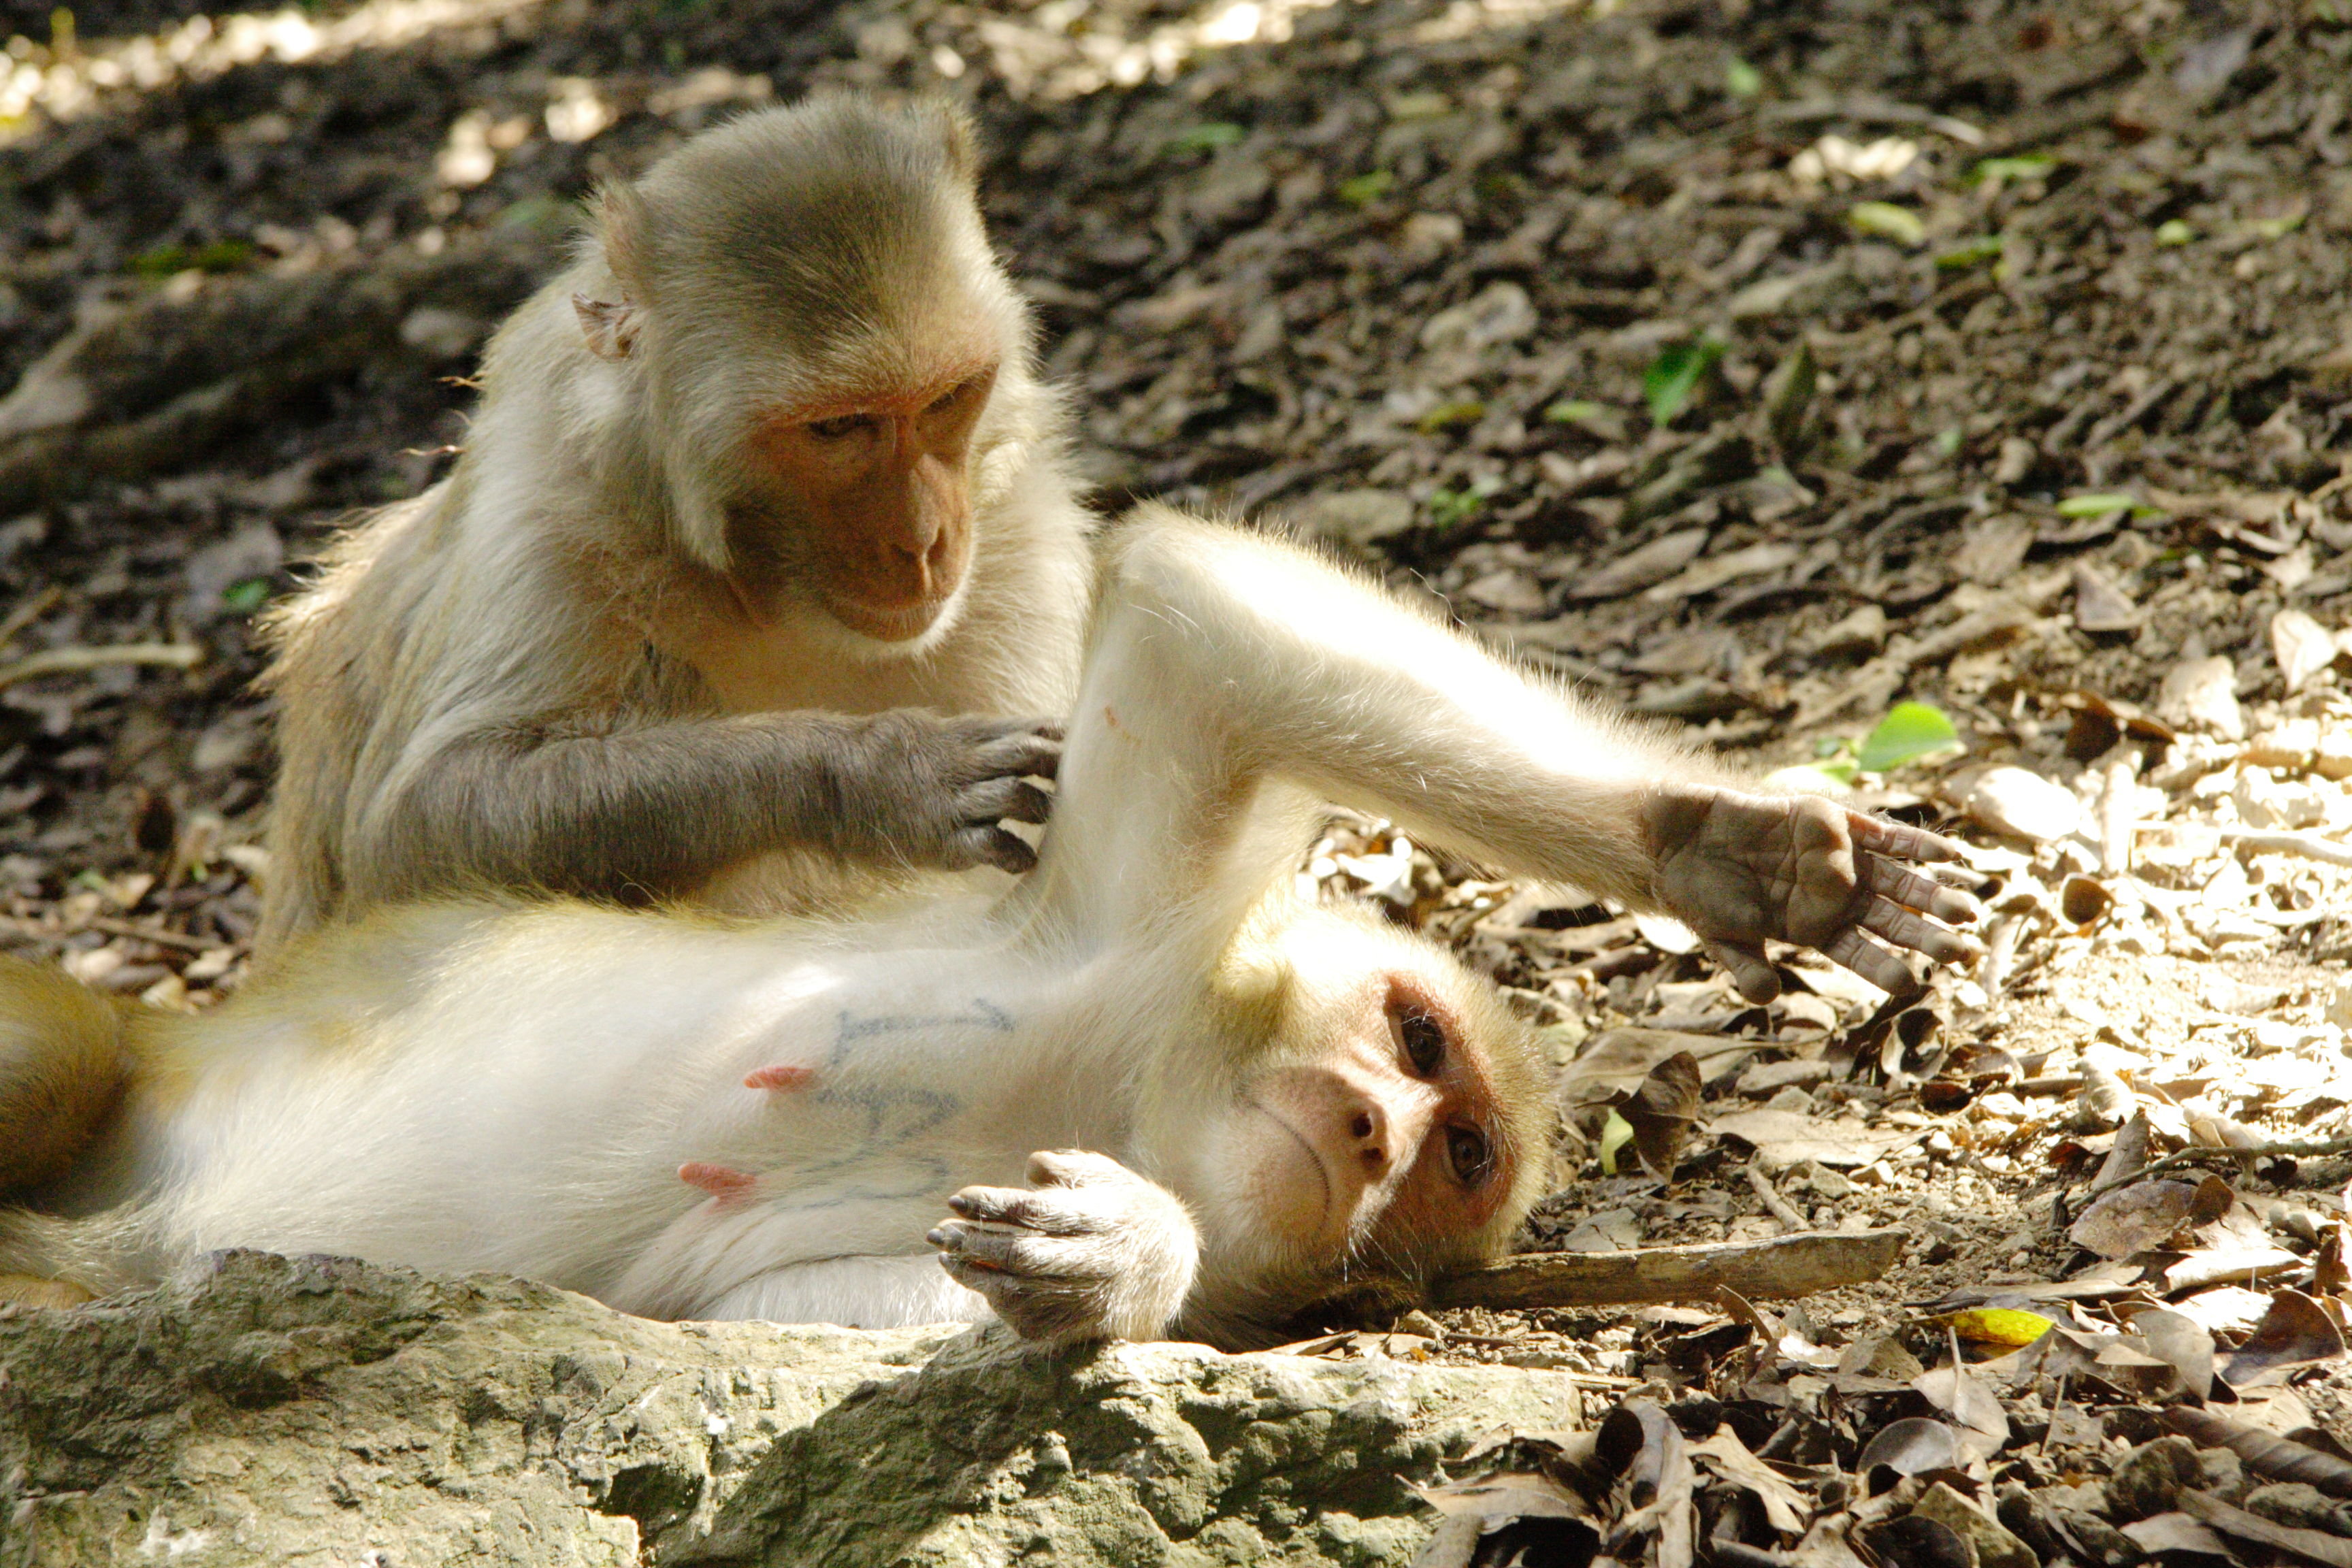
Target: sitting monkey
[759, 487]
[1255, 1099]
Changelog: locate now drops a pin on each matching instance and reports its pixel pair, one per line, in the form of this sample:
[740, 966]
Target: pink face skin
[881, 482]
[1391, 1132]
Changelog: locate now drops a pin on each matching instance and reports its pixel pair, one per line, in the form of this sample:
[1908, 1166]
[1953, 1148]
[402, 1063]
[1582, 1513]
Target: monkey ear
[611, 327]
[625, 230]
[959, 139]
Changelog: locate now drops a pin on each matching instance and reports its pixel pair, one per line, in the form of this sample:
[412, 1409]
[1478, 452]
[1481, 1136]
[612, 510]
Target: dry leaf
[2134, 1220]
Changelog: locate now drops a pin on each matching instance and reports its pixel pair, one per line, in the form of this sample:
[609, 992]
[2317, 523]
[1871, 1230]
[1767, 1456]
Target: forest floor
[1759, 369]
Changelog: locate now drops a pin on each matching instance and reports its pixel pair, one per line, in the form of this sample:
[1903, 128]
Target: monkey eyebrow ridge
[912, 400]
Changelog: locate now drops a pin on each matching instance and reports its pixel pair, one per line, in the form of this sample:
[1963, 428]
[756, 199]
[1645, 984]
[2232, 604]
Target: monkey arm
[663, 807]
[1225, 668]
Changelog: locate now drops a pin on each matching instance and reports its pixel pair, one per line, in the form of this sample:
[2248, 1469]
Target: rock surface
[320, 1410]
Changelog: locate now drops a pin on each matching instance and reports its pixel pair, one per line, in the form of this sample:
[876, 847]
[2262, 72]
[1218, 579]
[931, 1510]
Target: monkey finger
[1908, 887]
[1031, 752]
[1017, 1250]
[1000, 1205]
[1906, 928]
[1901, 840]
[1753, 973]
[991, 847]
[1857, 951]
[1004, 800]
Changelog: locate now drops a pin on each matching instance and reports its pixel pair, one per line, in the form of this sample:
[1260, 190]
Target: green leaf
[1574, 411]
[1741, 80]
[1452, 508]
[1971, 253]
[220, 256]
[2172, 231]
[2025, 166]
[1206, 138]
[246, 596]
[1909, 731]
[1948, 439]
[2097, 505]
[1615, 1133]
[1449, 416]
[1410, 105]
[1676, 374]
[1888, 221]
[1365, 189]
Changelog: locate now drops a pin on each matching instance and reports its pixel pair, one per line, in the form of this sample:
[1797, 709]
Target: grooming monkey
[759, 489]
[1245, 1100]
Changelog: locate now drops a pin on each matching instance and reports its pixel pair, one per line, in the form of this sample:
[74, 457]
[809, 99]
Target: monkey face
[866, 501]
[1398, 1123]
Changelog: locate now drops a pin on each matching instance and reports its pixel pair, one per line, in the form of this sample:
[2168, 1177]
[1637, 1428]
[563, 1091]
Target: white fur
[516, 1090]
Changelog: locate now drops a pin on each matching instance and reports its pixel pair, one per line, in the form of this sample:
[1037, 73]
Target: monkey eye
[1472, 1157]
[1425, 1040]
[953, 395]
[835, 429]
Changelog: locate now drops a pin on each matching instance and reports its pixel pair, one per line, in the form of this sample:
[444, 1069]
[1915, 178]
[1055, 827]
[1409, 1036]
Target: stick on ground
[1785, 1266]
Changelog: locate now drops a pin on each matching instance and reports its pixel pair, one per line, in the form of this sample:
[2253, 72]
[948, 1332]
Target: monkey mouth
[1314, 1159]
[888, 623]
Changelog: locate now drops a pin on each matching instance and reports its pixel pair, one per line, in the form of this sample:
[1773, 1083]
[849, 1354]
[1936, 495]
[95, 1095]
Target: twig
[66, 660]
[112, 927]
[31, 610]
[1781, 1267]
[2310, 845]
[2206, 1154]
[1791, 1220]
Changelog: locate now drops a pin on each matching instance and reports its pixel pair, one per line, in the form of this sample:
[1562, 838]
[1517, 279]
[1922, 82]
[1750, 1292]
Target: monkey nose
[1368, 1129]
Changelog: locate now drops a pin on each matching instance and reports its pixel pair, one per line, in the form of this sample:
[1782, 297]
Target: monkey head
[1387, 1117]
[820, 341]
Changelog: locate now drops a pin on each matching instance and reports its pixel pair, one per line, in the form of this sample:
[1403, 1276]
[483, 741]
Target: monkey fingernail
[779, 1078]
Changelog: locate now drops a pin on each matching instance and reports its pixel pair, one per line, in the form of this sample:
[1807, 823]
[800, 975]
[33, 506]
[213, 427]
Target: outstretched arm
[1232, 681]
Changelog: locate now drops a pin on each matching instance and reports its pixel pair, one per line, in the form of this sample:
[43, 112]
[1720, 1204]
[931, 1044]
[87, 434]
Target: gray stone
[317, 1411]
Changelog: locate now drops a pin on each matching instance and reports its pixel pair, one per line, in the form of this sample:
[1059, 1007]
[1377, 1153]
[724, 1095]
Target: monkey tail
[64, 1064]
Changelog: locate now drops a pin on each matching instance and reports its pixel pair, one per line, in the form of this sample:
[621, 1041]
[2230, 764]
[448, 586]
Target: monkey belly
[522, 1115]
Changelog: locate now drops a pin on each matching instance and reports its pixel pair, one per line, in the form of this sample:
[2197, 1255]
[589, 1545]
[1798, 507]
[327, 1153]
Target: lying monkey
[1256, 1099]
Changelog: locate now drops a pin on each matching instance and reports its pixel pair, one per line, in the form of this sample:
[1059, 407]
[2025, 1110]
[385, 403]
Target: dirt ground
[1757, 366]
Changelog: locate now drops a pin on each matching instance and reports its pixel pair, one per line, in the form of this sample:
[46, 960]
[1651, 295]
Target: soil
[1492, 294]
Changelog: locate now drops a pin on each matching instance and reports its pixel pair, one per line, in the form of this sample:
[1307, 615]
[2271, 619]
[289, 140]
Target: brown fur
[565, 667]
[63, 1063]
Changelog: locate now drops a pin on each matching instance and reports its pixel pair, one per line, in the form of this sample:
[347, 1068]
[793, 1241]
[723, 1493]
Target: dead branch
[2310, 845]
[1786, 1265]
[135, 391]
[1782, 1210]
[2209, 1154]
[31, 610]
[70, 660]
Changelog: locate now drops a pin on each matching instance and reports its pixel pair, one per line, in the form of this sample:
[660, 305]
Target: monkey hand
[1739, 868]
[1091, 1251]
[928, 791]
